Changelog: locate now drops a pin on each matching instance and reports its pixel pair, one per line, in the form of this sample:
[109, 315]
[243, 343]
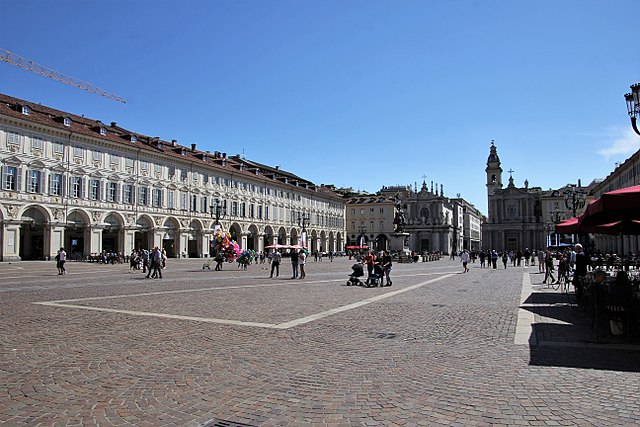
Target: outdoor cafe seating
[613, 302]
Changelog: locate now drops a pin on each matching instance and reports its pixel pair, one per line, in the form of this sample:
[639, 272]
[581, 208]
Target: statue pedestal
[399, 242]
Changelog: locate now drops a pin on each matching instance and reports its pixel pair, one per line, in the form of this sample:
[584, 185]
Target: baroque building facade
[69, 181]
[433, 222]
[514, 221]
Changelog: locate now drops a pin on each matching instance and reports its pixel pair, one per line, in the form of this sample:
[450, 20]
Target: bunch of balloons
[222, 242]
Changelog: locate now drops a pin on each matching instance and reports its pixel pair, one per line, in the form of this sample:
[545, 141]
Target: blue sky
[351, 93]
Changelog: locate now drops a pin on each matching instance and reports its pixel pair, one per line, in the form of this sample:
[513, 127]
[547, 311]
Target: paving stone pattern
[439, 354]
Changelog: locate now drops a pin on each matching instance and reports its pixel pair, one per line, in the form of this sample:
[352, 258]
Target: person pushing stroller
[358, 271]
[375, 277]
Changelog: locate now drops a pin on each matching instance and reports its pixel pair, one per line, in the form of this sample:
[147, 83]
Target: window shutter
[42, 182]
[63, 185]
[84, 188]
[51, 184]
[103, 190]
[19, 179]
[2, 167]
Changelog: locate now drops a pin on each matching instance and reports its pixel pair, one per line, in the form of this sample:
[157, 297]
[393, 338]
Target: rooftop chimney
[193, 147]
[113, 124]
[174, 142]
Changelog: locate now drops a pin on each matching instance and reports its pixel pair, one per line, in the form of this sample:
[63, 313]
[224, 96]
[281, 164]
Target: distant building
[434, 222]
[369, 220]
[472, 225]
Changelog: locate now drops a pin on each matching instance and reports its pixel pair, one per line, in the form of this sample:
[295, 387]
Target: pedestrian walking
[387, 263]
[494, 259]
[302, 260]
[219, 260]
[505, 258]
[61, 259]
[294, 263]
[548, 261]
[275, 263]
[146, 261]
[541, 261]
[155, 271]
[464, 259]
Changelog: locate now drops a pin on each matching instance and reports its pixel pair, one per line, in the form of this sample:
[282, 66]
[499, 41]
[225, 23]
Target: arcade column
[10, 241]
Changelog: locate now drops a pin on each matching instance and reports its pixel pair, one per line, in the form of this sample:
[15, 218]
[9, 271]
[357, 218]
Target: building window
[381, 210]
[55, 184]
[94, 190]
[78, 152]
[260, 212]
[37, 144]
[129, 162]
[171, 199]
[67, 121]
[26, 110]
[243, 209]
[76, 187]
[144, 196]
[33, 181]
[103, 131]
[112, 191]
[252, 211]
[266, 212]
[203, 204]
[97, 156]
[194, 203]
[157, 198]
[158, 168]
[58, 148]
[234, 208]
[13, 138]
[144, 165]
[10, 178]
[127, 194]
[361, 211]
[183, 200]
[381, 225]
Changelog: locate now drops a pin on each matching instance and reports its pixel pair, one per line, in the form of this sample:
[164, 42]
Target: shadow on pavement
[586, 355]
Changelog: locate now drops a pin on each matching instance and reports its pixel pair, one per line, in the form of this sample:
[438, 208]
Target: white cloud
[625, 143]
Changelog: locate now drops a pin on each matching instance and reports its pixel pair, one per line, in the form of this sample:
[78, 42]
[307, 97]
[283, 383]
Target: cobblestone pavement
[105, 346]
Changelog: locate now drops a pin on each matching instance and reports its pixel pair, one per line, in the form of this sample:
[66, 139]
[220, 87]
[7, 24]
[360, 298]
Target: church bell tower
[494, 171]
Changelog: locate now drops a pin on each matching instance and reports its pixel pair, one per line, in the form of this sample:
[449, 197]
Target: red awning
[614, 206]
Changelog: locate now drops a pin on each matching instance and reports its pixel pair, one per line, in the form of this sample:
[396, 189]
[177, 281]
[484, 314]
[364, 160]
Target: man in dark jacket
[581, 270]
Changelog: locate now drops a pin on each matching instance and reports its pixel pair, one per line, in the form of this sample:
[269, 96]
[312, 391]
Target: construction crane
[22, 62]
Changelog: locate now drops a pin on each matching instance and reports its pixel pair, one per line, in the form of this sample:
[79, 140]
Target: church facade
[514, 220]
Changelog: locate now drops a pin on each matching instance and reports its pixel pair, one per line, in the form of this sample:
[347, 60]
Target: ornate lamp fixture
[633, 105]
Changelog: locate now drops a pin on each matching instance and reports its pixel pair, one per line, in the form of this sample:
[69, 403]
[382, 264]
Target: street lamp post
[633, 105]
[549, 228]
[556, 217]
[218, 211]
[363, 230]
[303, 221]
[574, 199]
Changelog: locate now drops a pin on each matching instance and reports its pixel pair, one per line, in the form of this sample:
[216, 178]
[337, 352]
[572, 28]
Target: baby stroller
[358, 271]
[375, 278]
